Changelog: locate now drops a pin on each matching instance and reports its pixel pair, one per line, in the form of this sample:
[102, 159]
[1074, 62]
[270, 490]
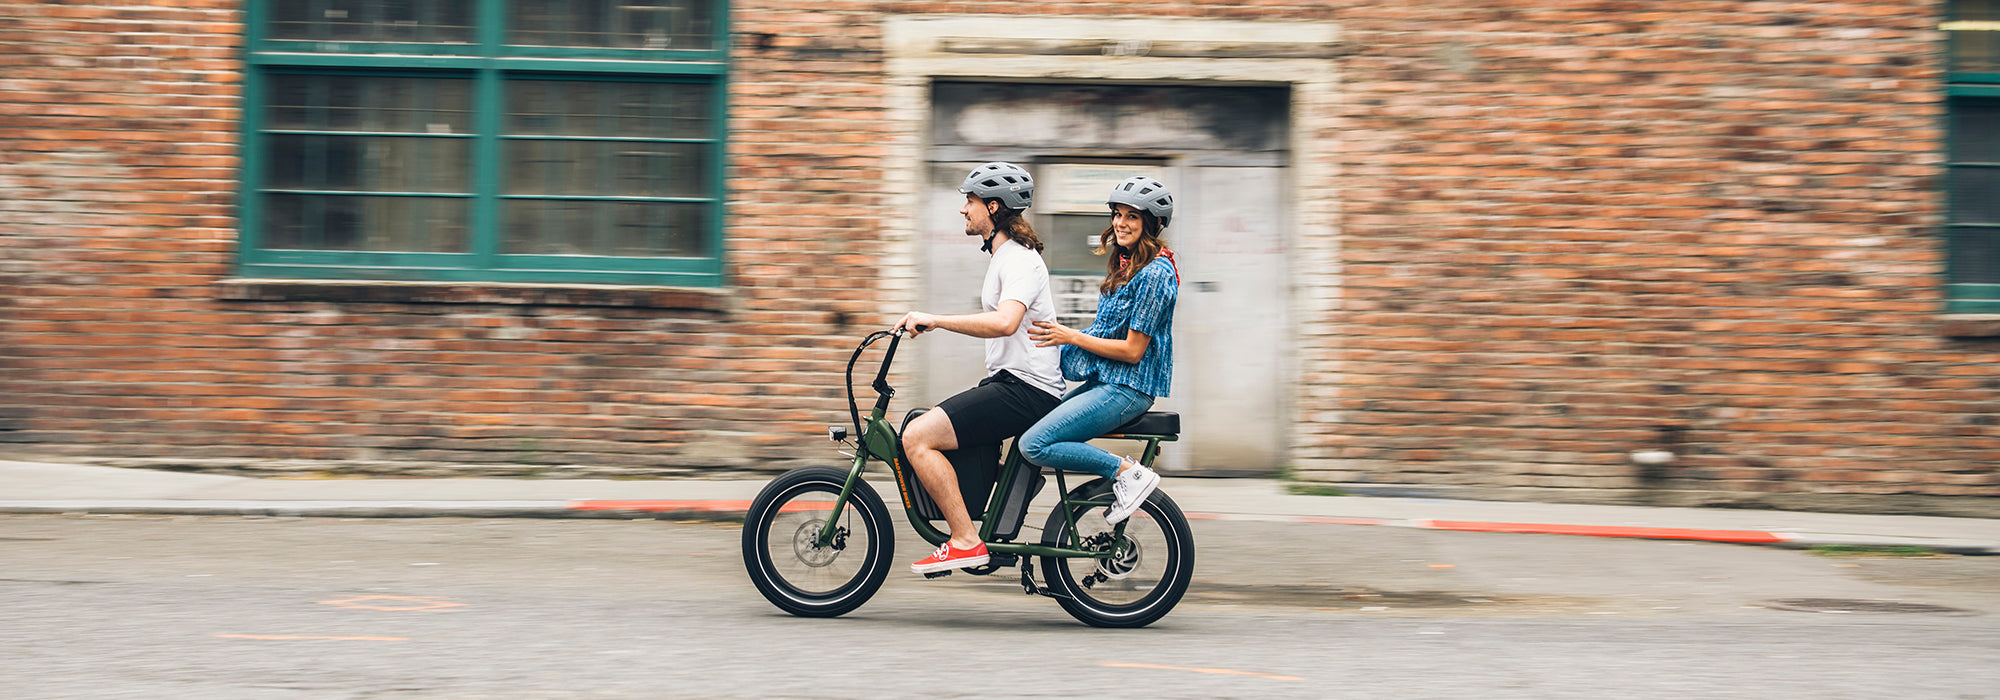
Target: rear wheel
[781, 543]
[1142, 581]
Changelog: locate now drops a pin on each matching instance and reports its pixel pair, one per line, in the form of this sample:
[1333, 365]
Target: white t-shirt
[1019, 274]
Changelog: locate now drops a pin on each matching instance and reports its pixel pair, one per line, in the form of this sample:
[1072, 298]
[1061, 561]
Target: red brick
[1606, 217]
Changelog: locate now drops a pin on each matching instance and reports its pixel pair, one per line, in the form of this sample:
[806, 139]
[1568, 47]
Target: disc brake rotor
[807, 535]
[1121, 566]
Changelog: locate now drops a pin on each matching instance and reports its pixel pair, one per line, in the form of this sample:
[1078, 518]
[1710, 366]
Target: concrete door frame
[920, 49]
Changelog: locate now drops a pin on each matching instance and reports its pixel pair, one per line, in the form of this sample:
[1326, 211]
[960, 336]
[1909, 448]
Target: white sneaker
[1131, 489]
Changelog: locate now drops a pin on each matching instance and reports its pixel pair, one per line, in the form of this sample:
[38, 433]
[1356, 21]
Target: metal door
[1223, 158]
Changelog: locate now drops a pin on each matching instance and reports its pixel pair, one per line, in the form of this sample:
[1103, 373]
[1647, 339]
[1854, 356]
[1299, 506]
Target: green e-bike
[818, 540]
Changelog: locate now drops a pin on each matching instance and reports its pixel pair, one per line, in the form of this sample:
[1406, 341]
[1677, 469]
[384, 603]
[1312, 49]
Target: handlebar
[881, 384]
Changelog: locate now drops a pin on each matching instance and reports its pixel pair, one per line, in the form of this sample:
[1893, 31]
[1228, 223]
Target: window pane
[323, 117]
[627, 229]
[541, 227]
[610, 109]
[607, 168]
[1975, 255]
[1975, 51]
[1975, 132]
[369, 104]
[1069, 242]
[367, 163]
[609, 159]
[621, 24]
[1975, 10]
[361, 223]
[403, 21]
[662, 170]
[1975, 195]
[649, 229]
[551, 168]
[366, 134]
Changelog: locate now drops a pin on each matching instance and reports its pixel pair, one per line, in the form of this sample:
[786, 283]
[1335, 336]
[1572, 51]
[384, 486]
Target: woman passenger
[1125, 359]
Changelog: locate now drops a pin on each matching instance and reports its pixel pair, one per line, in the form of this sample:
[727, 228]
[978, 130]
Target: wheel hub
[1122, 564]
[807, 536]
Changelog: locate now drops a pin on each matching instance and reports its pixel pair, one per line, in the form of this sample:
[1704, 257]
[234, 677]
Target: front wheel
[1150, 572]
[781, 547]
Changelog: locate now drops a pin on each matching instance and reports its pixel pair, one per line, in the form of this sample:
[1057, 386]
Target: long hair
[1016, 226]
[1121, 264]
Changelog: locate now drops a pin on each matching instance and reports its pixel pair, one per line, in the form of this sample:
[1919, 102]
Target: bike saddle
[1151, 423]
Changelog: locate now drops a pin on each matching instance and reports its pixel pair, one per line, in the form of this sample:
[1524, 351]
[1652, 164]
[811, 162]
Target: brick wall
[1565, 230]
[116, 197]
[1577, 229]
[122, 339]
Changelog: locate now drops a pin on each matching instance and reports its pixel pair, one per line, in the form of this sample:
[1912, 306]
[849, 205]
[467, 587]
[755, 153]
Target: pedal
[937, 574]
[1002, 559]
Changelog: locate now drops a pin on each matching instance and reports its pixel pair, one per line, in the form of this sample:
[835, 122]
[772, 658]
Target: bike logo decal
[896, 465]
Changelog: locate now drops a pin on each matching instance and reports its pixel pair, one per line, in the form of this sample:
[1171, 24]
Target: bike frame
[878, 440]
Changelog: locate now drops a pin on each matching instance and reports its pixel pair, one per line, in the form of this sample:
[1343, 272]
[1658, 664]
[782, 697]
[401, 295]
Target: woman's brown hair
[1122, 263]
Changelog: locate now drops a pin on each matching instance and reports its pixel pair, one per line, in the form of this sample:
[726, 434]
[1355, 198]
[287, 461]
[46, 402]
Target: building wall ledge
[393, 292]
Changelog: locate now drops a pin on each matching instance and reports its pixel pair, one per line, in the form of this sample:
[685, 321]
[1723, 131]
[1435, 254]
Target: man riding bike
[1023, 382]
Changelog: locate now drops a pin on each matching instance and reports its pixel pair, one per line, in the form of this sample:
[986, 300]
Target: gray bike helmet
[1006, 182]
[1141, 192]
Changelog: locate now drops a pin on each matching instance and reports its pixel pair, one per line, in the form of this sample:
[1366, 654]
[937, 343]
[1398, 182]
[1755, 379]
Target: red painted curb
[1654, 533]
[658, 506]
[695, 506]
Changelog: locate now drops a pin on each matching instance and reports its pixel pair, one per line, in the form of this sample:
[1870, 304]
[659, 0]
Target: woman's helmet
[1141, 192]
[1006, 182]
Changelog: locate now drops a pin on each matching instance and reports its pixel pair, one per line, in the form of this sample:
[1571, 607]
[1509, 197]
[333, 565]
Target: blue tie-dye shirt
[1146, 305]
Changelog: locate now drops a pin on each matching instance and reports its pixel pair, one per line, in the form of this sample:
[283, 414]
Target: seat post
[1151, 452]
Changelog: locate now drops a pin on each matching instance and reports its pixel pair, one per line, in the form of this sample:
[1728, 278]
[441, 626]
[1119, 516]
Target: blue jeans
[1086, 412]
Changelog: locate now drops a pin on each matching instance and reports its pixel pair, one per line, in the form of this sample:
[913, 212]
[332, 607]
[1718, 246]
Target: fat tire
[757, 533]
[1173, 585]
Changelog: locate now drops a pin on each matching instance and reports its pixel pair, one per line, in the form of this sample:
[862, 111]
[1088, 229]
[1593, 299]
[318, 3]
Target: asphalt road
[224, 607]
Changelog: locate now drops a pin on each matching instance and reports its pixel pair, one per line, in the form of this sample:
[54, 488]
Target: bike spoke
[796, 559]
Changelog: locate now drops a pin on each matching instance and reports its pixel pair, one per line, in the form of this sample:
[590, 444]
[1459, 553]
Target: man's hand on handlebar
[915, 323]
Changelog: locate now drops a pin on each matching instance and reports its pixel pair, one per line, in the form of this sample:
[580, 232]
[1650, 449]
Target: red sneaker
[948, 557]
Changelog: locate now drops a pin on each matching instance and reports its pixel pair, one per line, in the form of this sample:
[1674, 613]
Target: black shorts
[1001, 407]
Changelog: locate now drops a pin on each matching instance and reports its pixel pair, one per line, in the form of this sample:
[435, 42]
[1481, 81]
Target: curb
[734, 510]
[674, 510]
[1648, 533]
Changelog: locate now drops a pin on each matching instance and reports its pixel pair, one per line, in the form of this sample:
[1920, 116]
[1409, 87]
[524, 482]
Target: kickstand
[1028, 581]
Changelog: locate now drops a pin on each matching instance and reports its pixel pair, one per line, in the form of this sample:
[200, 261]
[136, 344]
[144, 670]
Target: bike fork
[826, 532]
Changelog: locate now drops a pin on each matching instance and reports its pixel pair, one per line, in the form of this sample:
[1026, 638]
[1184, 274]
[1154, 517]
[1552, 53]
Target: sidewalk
[32, 487]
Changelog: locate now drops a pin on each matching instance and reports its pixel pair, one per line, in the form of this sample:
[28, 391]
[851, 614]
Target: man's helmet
[1141, 192]
[1006, 182]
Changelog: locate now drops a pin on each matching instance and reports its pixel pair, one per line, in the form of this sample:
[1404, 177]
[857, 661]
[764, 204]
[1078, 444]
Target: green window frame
[450, 141]
[1972, 177]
